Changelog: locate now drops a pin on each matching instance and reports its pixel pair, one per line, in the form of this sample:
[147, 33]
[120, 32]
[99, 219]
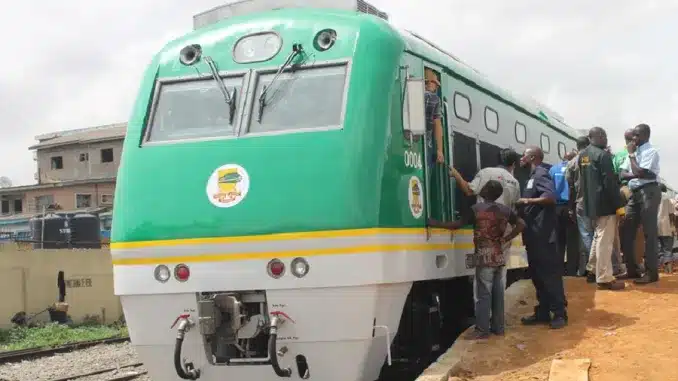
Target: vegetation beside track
[51, 335]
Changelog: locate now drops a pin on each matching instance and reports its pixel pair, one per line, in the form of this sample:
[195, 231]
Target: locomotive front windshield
[301, 99]
[193, 109]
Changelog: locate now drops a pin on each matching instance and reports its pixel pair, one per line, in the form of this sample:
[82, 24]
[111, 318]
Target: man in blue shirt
[566, 228]
[642, 171]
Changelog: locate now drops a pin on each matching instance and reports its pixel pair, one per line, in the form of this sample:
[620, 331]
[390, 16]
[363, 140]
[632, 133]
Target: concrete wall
[28, 280]
[100, 195]
[73, 167]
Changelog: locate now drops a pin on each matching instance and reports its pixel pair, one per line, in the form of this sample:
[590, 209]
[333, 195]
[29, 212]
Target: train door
[464, 143]
[438, 183]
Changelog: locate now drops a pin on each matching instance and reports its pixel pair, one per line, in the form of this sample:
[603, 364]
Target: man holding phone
[642, 171]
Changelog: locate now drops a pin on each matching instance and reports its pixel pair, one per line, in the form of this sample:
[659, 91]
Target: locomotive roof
[426, 49]
[413, 43]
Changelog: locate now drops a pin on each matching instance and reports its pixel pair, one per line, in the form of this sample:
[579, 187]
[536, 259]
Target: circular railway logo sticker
[228, 185]
[414, 197]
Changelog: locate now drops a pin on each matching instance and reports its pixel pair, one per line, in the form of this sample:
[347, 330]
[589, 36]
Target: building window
[18, 206]
[83, 201]
[545, 143]
[107, 155]
[5, 207]
[84, 156]
[521, 133]
[462, 107]
[57, 162]
[107, 199]
[562, 150]
[491, 119]
[43, 201]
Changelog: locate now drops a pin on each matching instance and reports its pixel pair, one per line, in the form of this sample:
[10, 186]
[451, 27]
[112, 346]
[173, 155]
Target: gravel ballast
[61, 365]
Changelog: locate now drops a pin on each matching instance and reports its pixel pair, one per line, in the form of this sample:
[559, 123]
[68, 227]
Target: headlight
[162, 273]
[325, 39]
[299, 267]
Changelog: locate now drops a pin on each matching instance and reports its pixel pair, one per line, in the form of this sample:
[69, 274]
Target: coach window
[462, 106]
[521, 133]
[545, 143]
[491, 119]
[562, 150]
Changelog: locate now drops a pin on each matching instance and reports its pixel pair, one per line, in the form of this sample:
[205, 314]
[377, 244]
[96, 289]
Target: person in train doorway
[665, 230]
[576, 207]
[538, 208]
[566, 228]
[602, 204]
[494, 224]
[643, 204]
[621, 163]
[434, 117]
[503, 173]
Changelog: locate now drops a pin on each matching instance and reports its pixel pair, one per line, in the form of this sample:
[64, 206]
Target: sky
[608, 63]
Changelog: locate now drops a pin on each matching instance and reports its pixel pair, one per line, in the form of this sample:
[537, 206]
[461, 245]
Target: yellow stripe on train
[359, 249]
[286, 237]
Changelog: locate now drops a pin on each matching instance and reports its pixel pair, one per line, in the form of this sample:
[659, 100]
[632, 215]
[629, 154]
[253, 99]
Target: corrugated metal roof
[80, 136]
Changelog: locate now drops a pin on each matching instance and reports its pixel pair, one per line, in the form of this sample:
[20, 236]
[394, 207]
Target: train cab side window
[491, 119]
[521, 133]
[562, 150]
[465, 160]
[462, 106]
[545, 143]
[489, 155]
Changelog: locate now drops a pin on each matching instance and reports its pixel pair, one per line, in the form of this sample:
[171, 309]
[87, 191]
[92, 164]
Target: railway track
[30, 354]
[124, 377]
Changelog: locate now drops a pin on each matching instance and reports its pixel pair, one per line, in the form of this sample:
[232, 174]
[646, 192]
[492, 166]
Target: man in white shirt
[502, 173]
[643, 204]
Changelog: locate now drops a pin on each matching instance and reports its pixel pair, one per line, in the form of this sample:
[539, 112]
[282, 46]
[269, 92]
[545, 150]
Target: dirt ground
[628, 335]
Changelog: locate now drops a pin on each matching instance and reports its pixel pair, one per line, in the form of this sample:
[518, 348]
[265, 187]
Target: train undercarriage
[435, 314]
[238, 330]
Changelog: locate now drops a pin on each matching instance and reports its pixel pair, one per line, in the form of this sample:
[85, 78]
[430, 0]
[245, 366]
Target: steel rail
[128, 377]
[32, 353]
[95, 372]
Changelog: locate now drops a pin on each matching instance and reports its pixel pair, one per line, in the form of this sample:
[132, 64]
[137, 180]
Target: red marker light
[276, 268]
[181, 272]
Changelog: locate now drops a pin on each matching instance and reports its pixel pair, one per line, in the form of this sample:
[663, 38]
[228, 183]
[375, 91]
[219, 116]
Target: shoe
[534, 320]
[495, 332]
[590, 278]
[558, 322]
[629, 275]
[614, 286]
[647, 279]
[476, 335]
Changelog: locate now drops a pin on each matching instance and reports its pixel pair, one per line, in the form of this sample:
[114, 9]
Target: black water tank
[55, 235]
[85, 231]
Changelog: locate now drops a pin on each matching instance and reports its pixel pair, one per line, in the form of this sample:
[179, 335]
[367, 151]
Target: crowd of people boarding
[606, 217]
[596, 215]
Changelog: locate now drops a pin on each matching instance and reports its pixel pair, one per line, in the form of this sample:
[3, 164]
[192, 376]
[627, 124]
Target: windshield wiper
[296, 50]
[229, 98]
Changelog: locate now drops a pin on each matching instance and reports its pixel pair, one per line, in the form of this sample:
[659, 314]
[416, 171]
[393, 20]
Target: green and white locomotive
[272, 199]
